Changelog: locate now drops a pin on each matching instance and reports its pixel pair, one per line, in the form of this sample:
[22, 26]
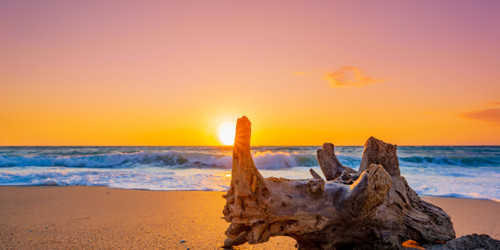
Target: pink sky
[167, 72]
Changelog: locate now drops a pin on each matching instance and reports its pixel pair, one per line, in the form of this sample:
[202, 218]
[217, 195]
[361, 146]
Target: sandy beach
[100, 217]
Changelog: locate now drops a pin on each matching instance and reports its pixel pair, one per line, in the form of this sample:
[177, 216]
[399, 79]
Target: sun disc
[226, 131]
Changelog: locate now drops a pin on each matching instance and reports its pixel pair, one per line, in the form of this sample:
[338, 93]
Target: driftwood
[330, 165]
[370, 208]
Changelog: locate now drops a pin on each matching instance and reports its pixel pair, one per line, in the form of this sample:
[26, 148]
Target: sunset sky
[304, 72]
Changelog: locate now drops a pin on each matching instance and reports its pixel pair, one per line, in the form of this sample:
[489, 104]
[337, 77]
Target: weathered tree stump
[370, 208]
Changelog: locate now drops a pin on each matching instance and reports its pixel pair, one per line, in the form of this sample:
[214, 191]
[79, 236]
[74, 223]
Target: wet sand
[100, 217]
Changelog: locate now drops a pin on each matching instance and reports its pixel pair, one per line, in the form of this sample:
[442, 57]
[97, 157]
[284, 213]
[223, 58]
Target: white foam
[475, 174]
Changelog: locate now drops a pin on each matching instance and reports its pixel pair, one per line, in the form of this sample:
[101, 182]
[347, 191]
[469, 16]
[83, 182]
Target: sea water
[453, 171]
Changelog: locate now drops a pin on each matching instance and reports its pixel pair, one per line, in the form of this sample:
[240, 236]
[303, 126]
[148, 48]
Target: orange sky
[167, 72]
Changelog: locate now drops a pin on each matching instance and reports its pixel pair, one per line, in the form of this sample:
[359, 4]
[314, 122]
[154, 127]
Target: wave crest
[267, 159]
[263, 160]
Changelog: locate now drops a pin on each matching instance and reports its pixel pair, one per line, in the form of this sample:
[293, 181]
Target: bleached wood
[376, 209]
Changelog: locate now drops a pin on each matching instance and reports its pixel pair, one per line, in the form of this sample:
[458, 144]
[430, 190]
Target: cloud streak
[486, 115]
[350, 76]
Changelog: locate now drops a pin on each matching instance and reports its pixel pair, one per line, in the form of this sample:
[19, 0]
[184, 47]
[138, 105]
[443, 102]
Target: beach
[58, 217]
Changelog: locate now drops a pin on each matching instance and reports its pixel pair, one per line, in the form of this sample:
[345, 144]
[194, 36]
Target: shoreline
[103, 217]
[424, 196]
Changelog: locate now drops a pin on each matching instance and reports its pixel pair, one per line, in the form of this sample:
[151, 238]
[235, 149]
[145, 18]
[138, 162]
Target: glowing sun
[226, 131]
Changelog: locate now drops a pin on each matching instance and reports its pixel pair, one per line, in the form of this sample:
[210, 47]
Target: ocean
[451, 171]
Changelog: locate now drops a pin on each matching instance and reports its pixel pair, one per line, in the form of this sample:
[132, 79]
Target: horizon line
[415, 145]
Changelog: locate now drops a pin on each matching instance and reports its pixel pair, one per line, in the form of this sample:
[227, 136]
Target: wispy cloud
[300, 73]
[350, 76]
[494, 103]
[486, 115]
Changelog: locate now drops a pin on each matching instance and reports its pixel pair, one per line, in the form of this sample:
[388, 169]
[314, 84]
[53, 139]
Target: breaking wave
[262, 159]
[174, 160]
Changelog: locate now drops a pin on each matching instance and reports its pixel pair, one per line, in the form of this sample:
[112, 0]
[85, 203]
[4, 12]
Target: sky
[305, 73]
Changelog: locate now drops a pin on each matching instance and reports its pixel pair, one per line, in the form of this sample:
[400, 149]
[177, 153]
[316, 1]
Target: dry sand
[100, 217]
